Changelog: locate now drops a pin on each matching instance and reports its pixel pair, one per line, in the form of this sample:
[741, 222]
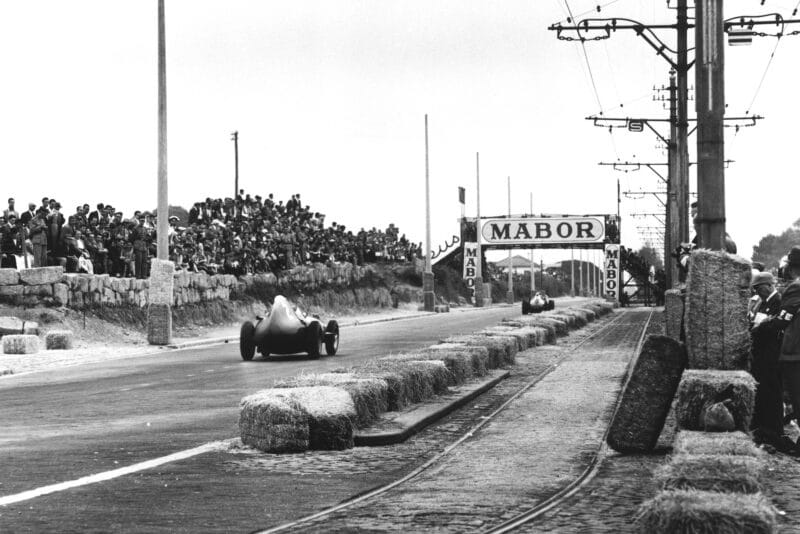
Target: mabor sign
[470, 264]
[612, 281]
[543, 230]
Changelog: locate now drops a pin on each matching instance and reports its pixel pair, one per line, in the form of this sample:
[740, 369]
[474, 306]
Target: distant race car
[287, 330]
[538, 303]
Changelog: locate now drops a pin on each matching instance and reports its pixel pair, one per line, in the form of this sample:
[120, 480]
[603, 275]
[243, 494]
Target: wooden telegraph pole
[710, 94]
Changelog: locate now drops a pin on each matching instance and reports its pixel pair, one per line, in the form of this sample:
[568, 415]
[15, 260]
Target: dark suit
[766, 346]
[790, 346]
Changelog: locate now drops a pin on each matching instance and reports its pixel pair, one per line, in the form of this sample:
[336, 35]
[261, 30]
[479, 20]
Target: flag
[462, 194]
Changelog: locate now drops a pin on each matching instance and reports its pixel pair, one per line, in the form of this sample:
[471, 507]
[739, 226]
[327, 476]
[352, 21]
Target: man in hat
[37, 229]
[767, 423]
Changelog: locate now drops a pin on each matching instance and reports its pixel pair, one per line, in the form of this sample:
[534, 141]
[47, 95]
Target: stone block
[41, 290]
[11, 291]
[20, 344]
[83, 282]
[71, 280]
[109, 296]
[58, 340]
[103, 281]
[159, 324]
[61, 294]
[76, 299]
[9, 277]
[41, 275]
[11, 325]
[161, 282]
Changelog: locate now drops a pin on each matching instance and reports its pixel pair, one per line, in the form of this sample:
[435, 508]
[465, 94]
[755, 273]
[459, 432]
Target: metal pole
[510, 294]
[682, 139]
[236, 164]
[580, 269]
[162, 243]
[427, 276]
[572, 272]
[710, 83]
[533, 264]
[479, 270]
[672, 231]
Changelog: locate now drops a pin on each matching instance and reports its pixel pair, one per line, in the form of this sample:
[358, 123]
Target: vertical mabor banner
[612, 284]
[470, 264]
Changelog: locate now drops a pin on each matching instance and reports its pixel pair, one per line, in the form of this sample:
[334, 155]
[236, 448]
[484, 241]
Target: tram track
[605, 330]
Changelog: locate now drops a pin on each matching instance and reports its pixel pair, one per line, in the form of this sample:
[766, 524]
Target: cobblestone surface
[541, 443]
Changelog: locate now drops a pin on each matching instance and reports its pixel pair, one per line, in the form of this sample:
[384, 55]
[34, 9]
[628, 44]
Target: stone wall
[52, 286]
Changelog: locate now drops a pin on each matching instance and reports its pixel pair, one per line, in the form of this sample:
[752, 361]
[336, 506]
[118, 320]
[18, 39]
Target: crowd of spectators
[237, 236]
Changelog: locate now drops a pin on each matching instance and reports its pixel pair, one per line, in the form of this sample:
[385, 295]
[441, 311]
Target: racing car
[538, 303]
[287, 330]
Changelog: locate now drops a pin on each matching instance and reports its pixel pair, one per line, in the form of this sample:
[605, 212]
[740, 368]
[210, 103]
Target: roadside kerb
[421, 416]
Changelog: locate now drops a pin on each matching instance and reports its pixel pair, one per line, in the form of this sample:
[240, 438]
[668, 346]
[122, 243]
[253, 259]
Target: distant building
[519, 265]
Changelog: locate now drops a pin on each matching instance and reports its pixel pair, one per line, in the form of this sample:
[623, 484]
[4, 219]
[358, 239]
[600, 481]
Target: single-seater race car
[538, 303]
[287, 330]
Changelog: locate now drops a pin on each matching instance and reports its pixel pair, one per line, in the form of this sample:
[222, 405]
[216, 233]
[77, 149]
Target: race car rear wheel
[331, 338]
[314, 339]
[551, 305]
[247, 344]
[525, 307]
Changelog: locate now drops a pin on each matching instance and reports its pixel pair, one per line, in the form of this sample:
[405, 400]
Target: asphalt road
[73, 422]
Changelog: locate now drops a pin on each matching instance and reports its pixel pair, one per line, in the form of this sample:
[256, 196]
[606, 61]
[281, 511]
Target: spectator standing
[55, 222]
[27, 216]
[140, 238]
[37, 229]
[9, 236]
[767, 421]
[789, 323]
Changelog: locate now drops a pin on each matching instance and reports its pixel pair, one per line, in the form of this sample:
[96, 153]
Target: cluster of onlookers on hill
[231, 236]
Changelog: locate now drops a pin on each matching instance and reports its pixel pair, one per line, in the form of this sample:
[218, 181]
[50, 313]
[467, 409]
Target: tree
[772, 248]
[651, 256]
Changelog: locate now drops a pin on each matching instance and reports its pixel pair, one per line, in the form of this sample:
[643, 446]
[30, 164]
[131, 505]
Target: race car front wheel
[247, 344]
[331, 338]
[314, 339]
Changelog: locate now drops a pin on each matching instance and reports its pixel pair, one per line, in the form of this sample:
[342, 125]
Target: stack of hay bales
[717, 291]
[321, 411]
[713, 480]
[647, 396]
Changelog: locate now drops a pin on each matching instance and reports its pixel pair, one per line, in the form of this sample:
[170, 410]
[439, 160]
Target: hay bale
[478, 356]
[6, 371]
[458, 361]
[730, 443]
[701, 388]
[20, 344]
[648, 395]
[331, 413]
[532, 336]
[712, 472]
[273, 421]
[570, 320]
[707, 512]
[523, 339]
[590, 314]
[413, 380]
[716, 327]
[498, 347]
[58, 340]
[549, 327]
[370, 395]
[673, 313]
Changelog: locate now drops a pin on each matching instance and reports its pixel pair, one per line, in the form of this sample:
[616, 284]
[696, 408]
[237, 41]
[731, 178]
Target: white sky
[329, 98]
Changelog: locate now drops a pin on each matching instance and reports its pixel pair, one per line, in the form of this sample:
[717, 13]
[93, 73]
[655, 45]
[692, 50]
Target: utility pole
[710, 106]
[572, 272]
[162, 242]
[235, 138]
[533, 264]
[479, 270]
[427, 276]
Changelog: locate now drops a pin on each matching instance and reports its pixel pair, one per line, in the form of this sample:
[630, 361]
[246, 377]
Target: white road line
[108, 475]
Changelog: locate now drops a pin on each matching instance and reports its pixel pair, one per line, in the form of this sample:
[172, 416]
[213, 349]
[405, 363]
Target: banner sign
[612, 281]
[544, 230]
[470, 264]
